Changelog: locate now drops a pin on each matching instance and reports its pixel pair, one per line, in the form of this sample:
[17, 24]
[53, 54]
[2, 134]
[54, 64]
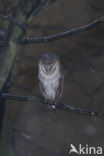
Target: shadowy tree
[11, 35]
[14, 22]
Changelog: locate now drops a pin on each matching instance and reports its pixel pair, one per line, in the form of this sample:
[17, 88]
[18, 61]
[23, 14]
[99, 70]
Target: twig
[14, 7]
[59, 105]
[32, 11]
[6, 17]
[35, 10]
[64, 34]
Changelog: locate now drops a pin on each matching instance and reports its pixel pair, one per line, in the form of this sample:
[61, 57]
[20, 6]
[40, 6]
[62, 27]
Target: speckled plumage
[51, 77]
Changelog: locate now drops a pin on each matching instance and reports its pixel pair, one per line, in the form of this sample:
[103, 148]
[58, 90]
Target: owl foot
[52, 106]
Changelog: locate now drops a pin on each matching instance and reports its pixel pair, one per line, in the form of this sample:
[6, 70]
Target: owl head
[49, 63]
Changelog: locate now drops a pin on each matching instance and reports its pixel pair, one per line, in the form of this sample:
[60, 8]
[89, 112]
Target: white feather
[51, 83]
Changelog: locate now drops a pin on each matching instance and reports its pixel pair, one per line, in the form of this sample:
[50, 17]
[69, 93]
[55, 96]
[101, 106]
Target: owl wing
[59, 90]
[42, 88]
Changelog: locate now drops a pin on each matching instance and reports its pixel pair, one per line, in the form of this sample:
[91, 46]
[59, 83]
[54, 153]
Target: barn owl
[51, 78]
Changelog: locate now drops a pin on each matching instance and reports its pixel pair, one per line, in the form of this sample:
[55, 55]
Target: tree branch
[32, 11]
[35, 10]
[12, 9]
[14, 36]
[59, 105]
[6, 17]
[64, 34]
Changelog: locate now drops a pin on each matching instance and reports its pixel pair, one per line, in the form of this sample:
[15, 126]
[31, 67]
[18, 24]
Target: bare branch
[59, 105]
[14, 36]
[64, 34]
[35, 10]
[6, 17]
[14, 7]
[32, 11]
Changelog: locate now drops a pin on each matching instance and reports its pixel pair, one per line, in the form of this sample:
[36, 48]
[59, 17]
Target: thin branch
[14, 7]
[10, 19]
[59, 105]
[64, 34]
[32, 11]
[35, 10]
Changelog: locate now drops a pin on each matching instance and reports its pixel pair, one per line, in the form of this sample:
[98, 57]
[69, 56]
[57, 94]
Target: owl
[51, 78]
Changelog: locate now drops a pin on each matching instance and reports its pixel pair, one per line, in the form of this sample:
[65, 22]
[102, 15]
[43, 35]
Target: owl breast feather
[51, 85]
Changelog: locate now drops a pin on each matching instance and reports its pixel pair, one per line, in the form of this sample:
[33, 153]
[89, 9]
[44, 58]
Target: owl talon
[52, 106]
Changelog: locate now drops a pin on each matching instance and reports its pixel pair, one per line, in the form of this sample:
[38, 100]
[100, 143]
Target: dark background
[82, 57]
